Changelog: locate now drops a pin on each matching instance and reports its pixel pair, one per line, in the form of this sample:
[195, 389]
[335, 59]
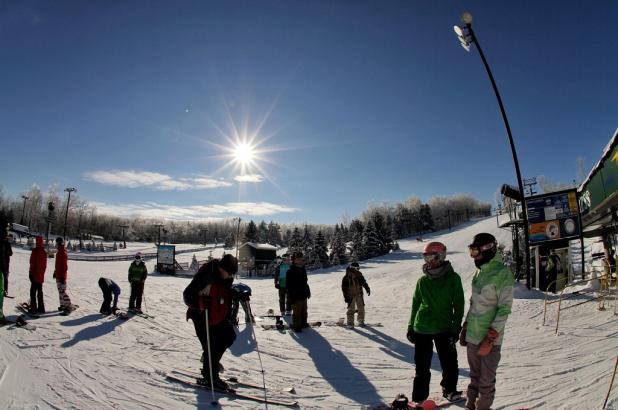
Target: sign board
[553, 217]
[166, 254]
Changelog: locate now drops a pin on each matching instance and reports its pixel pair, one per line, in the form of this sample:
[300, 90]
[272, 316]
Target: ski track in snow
[87, 361]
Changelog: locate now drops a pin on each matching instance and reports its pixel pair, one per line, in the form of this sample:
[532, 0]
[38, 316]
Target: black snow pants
[423, 352]
[222, 336]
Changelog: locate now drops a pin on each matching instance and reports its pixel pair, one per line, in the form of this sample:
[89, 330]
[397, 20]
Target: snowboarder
[352, 287]
[109, 288]
[7, 253]
[298, 291]
[38, 264]
[210, 293]
[137, 277]
[483, 329]
[60, 274]
[241, 296]
[280, 284]
[437, 311]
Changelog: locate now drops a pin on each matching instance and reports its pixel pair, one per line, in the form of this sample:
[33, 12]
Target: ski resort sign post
[554, 216]
[166, 255]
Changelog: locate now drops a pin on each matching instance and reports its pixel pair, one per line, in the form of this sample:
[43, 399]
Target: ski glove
[347, 300]
[368, 291]
[411, 336]
[488, 342]
[277, 286]
[462, 334]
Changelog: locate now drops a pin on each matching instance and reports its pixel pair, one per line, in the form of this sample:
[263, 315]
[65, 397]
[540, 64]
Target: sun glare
[244, 153]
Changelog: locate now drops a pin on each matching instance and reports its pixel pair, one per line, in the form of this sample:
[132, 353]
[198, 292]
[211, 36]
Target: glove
[411, 336]
[462, 334]
[309, 295]
[488, 342]
[347, 300]
[368, 291]
[277, 286]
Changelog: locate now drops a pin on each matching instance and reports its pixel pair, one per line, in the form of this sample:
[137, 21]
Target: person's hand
[488, 342]
[411, 336]
[347, 300]
[462, 334]
[368, 291]
[277, 286]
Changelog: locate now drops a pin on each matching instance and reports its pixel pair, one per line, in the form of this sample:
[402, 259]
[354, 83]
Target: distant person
[137, 277]
[60, 274]
[483, 330]
[298, 291]
[7, 252]
[352, 287]
[210, 291]
[553, 262]
[280, 284]
[109, 288]
[437, 310]
[38, 264]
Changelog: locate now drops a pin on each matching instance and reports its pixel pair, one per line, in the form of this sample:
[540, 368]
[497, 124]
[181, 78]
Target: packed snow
[88, 361]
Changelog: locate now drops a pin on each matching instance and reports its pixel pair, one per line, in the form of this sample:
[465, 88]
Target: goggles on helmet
[475, 250]
[433, 257]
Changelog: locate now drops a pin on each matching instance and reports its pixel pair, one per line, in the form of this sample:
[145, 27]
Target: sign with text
[553, 216]
[166, 254]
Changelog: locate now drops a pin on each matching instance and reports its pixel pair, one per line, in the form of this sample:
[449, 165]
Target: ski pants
[299, 314]
[222, 336]
[284, 301]
[482, 387]
[65, 301]
[36, 295]
[1, 295]
[356, 305]
[137, 290]
[5, 281]
[423, 352]
[107, 298]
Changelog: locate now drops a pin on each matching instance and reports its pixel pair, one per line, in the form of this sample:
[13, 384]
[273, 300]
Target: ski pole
[212, 382]
[257, 349]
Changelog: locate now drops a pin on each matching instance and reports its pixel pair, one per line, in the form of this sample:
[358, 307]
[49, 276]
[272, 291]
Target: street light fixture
[23, 211]
[66, 214]
[467, 37]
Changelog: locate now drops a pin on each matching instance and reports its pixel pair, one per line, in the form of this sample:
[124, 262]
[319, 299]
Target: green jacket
[491, 300]
[437, 304]
[137, 273]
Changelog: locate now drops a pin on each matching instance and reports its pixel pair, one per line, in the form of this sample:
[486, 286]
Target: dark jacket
[138, 273]
[5, 256]
[297, 284]
[38, 261]
[350, 285]
[216, 294]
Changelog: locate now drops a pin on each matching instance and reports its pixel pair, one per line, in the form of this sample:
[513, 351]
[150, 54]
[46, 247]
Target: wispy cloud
[195, 212]
[249, 178]
[153, 180]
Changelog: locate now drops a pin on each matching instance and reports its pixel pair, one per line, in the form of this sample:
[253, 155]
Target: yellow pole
[611, 383]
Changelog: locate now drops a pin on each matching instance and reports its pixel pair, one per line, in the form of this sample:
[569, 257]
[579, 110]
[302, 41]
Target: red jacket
[62, 264]
[38, 261]
[220, 300]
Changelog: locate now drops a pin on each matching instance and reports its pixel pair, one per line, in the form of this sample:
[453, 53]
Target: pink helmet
[434, 251]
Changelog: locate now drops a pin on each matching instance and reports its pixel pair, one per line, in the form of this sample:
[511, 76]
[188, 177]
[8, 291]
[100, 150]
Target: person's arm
[277, 272]
[364, 283]
[459, 304]
[416, 303]
[504, 290]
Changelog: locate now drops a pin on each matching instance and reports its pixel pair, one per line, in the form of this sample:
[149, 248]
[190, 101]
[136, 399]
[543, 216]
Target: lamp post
[23, 211]
[467, 36]
[123, 227]
[237, 235]
[49, 219]
[158, 226]
[66, 214]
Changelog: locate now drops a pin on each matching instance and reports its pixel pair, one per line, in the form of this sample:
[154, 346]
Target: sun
[244, 153]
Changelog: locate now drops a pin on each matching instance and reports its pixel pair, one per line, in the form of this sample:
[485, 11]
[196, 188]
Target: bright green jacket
[491, 300]
[437, 304]
[137, 273]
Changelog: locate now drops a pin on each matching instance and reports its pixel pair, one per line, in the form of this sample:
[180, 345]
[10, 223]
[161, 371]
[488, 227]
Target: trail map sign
[553, 216]
[166, 255]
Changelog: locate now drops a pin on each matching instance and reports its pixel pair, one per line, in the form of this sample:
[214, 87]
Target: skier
[137, 277]
[280, 284]
[60, 274]
[210, 291]
[241, 296]
[38, 264]
[482, 332]
[298, 291]
[352, 287]
[437, 310]
[109, 287]
[7, 253]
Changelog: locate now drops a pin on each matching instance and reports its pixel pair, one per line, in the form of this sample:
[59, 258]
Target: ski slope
[86, 361]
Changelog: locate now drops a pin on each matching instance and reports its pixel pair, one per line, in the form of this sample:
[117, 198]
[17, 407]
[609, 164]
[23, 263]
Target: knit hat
[60, 240]
[229, 264]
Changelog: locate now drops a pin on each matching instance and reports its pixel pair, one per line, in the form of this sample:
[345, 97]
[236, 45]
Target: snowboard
[286, 326]
[121, 315]
[67, 311]
[18, 322]
[24, 307]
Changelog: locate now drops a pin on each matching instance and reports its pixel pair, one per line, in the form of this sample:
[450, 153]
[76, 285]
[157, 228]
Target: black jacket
[296, 284]
[206, 275]
[347, 286]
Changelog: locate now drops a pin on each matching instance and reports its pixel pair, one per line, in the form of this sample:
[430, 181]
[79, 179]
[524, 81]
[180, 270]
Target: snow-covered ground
[87, 361]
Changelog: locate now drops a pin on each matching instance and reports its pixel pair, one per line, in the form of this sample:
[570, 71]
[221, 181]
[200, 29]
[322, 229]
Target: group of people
[436, 318]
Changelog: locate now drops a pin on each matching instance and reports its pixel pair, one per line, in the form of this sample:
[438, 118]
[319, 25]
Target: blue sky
[138, 104]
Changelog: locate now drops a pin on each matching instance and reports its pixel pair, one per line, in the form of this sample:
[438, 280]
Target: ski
[19, 322]
[234, 380]
[190, 381]
[432, 403]
[142, 314]
[343, 324]
[25, 309]
[286, 326]
[10, 297]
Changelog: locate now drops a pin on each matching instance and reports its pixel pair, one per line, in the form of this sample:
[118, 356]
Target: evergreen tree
[251, 233]
[274, 237]
[230, 241]
[262, 232]
[426, 219]
[338, 248]
[371, 242]
[320, 251]
[296, 242]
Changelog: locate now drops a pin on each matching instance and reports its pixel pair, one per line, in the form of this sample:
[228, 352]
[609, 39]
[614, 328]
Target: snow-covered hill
[86, 361]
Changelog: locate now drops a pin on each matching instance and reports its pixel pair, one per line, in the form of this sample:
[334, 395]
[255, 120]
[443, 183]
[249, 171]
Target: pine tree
[262, 236]
[338, 248]
[371, 242]
[321, 251]
[274, 237]
[251, 233]
[230, 241]
[295, 242]
[426, 219]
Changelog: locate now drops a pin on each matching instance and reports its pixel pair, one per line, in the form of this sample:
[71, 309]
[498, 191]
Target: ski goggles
[432, 257]
[475, 250]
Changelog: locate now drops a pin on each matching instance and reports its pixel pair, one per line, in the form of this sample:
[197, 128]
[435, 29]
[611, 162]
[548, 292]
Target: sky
[142, 105]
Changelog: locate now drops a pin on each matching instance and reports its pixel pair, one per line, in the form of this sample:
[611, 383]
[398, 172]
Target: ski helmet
[434, 253]
[60, 240]
[483, 248]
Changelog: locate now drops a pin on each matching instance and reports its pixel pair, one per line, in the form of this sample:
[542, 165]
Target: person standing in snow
[7, 252]
[280, 284]
[38, 264]
[352, 286]
[60, 274]
[3, 270]
[483, 329]
[210, 293]
[437, 310]
[298, 291]
[137, 277]
[109, 288]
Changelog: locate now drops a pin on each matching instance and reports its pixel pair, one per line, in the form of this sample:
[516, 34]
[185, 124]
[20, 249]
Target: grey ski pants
[482, 387]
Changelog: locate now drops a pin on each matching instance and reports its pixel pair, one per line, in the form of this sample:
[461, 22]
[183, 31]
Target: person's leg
[447, 353]
[423, 351]
[40, 299]
[304, 313]
[1, 295]
[132, 296]
[282, 301]
[6, 283]
[288, 306]
[474, 361]
[139, 292]
[296, 315]
[487, 380]
[65, 301]
[107, 298]
[360, 306]
[32, 295]
[350, 312]
[222, 337]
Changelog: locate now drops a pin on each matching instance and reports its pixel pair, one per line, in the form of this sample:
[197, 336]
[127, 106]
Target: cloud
[195, 212]
[153, 180]
[249, 178]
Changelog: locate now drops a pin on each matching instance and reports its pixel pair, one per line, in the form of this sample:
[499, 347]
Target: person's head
[353, 269]
[298, 258]
[483, 248]
[101, 282]
[228, 266]
[138, 258]
[59, 241]
[434, 254]
[39, 241]
[286, 258]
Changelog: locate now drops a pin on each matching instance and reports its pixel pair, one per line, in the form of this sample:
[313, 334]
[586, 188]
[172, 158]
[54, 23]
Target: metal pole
[237, 235]
[513, 152]
[23, 211]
